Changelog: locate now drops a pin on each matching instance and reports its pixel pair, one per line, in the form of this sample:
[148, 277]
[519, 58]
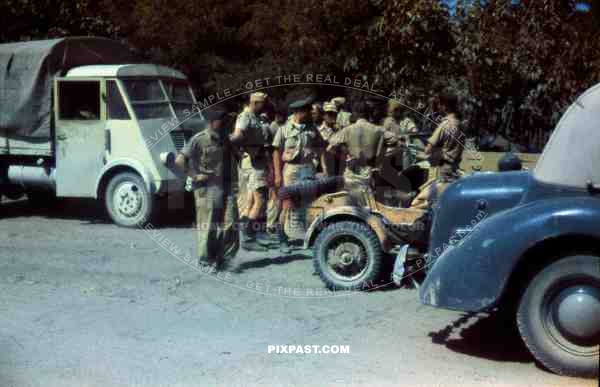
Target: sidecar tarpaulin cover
[27, 70]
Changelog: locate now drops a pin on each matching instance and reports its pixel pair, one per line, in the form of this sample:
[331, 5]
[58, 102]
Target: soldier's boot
[284, 245]
[261, 236]
[248, 236]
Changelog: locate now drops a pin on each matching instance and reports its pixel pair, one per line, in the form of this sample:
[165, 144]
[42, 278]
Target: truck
[79, 118]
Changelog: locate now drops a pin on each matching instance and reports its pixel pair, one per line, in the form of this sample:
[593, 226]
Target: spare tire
[306, 190]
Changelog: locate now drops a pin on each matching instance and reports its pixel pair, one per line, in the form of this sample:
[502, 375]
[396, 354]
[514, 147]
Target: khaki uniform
[401, 128]
[256, 136]
[245, 173]
[445, 159]
[364, 144]
[216, 209]
[300, 146]
[333, 166]
[273, 205]
[343, 119]
[447, 149]
[431, 191]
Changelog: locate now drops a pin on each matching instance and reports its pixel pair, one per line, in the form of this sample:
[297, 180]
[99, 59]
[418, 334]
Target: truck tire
[127, 200]
[348, 256]
[559, 316]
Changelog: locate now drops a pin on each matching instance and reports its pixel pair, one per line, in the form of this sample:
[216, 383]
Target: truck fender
[346, 213]
[471, 274]
[132, 164]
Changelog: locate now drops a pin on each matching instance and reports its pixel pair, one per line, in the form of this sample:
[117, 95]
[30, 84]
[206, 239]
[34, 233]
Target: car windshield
[573, 152]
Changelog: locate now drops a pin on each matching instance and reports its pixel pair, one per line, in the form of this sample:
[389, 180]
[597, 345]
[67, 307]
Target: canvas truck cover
[27, 70]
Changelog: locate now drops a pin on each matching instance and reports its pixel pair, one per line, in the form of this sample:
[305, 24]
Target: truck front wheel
[127, 200]
[559, 316]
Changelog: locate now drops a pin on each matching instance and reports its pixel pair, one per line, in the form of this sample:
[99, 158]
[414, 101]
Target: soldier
[396, 123]
[298, 145]
[252, 135]
[274, 205]
[364, 145]
[209, 161]
[343, 117]
[316, 113]
[445, 153]
[444, 147]
[332, 165]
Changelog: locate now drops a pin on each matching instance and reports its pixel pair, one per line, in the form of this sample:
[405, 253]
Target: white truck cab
[114, 134]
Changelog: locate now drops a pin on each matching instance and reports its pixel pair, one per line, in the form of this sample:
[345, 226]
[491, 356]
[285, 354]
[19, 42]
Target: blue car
[529, 242]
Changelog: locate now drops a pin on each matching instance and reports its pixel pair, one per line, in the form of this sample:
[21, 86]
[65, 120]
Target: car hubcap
[347, 258]
[128, 199]
[576, 314]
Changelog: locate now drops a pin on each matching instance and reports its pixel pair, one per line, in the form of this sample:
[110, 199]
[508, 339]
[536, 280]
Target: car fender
[347, 213]
[129, 163]
[471, 274]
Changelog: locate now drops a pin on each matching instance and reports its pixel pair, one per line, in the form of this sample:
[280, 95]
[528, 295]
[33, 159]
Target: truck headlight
[167, 158]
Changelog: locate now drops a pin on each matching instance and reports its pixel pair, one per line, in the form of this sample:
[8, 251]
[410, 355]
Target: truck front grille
[179, 138]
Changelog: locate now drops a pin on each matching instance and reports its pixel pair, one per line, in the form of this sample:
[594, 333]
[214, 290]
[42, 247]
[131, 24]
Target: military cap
[329, 107]
[301, 104]
[393, 105]
[258, 97]
[338, 101]
[214, 114]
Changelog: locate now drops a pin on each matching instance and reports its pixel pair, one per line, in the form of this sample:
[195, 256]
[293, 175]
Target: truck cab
[118, 129]
[79, 118]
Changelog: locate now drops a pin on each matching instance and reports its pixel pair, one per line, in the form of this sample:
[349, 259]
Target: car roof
[572, 155]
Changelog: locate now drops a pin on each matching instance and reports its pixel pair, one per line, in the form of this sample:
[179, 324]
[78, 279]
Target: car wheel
[348, 256]
[127, 200]
[559, 316]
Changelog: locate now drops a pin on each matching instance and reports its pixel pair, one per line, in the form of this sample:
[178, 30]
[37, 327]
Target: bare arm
[277, 167]
[181, 164]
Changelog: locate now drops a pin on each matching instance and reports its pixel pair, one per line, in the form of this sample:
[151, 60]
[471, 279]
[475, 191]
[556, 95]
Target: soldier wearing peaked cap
[209, 161]
[299, 145]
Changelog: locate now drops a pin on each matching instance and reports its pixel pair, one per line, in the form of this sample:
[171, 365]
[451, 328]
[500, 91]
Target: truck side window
[116, 107]
[79, 100]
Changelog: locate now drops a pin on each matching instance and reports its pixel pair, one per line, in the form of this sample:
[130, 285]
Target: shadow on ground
[494, 337]
[90, 211]
[260, 263]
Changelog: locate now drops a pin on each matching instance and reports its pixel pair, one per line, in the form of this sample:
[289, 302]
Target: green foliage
[515, 67]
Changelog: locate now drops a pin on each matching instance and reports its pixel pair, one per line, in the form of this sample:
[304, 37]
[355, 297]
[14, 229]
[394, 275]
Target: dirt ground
[86, 303]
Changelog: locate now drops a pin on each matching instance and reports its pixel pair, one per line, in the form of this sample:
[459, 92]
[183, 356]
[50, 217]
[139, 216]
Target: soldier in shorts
[298, 144]
[252, 135]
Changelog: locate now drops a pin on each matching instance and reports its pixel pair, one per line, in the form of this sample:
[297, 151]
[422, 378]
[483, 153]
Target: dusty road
[85, 303]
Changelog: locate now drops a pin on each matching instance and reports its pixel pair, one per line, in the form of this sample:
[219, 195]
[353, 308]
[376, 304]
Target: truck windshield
[183, 103]
[147, 98]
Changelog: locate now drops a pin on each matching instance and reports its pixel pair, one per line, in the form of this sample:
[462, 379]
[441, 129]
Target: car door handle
[61, 137]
